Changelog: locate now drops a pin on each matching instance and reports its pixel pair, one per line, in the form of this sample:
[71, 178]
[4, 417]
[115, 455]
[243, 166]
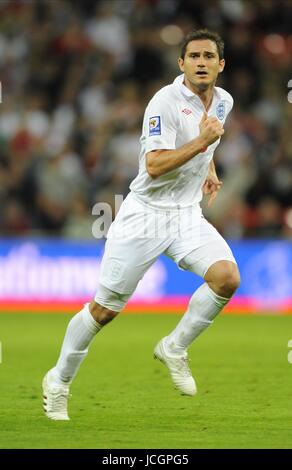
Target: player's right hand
[210, 129]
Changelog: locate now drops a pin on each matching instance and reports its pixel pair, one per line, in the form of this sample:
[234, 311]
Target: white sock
[80, 332]
[203, 307]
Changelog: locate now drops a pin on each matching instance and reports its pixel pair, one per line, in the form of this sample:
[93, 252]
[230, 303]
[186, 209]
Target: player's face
[201, 64]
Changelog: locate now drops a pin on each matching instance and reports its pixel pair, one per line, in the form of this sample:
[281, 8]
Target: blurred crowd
[76, 77]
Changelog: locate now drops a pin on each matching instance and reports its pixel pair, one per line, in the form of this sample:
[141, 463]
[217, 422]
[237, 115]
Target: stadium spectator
[77, 75]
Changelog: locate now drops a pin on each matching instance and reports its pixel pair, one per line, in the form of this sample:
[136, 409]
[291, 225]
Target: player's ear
[181, 64]
[221, 65]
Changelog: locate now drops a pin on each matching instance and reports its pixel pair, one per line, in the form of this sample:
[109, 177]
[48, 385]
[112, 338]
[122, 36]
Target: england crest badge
[220, 110]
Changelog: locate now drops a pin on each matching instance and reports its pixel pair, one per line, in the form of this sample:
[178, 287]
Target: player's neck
[205, 95]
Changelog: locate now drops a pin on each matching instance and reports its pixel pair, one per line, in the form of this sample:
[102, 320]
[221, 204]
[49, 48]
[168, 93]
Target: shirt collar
[178, 82]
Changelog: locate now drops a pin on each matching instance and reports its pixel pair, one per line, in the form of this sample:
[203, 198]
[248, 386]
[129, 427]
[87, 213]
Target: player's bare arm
[212, 184]
[159, 162]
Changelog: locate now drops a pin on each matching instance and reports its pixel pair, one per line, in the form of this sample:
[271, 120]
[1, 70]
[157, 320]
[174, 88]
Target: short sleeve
[160, 125]
[224, 104]
[229, 105]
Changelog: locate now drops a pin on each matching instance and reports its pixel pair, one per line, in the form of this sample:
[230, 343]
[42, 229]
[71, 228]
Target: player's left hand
[212, 186]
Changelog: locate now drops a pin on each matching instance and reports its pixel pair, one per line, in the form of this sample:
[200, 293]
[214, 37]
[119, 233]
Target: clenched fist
[210, 129]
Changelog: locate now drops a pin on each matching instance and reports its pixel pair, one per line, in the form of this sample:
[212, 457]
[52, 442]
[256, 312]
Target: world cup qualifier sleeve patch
[154, 125]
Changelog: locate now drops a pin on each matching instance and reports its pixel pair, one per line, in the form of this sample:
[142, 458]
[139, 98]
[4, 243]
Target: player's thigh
[131, 248]
[125, 262]
[207, 248]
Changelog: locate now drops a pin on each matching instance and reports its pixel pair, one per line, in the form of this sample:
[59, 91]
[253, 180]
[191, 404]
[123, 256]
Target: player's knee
[224, 278]
[231, 282]
[107, 304]
[101, 314]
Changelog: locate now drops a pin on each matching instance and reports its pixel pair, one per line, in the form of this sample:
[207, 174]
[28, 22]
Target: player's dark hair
[203, 34]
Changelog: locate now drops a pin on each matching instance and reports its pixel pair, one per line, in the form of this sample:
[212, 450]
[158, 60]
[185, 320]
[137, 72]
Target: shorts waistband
[159, 208]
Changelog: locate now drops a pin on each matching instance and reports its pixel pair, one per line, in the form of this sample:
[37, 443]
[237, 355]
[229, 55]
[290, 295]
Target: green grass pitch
[122, 398]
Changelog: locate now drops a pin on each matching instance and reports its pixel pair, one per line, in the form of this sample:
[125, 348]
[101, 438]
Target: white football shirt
[171, 120]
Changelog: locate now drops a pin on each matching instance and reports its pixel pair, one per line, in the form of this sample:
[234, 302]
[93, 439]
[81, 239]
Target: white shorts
[140, 234]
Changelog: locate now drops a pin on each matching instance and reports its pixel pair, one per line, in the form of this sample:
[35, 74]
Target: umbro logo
[186, 111]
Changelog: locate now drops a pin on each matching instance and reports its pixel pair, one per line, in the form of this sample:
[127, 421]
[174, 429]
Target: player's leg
[124, 263]
[221, 281]
[80, 332]
[212, 259]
